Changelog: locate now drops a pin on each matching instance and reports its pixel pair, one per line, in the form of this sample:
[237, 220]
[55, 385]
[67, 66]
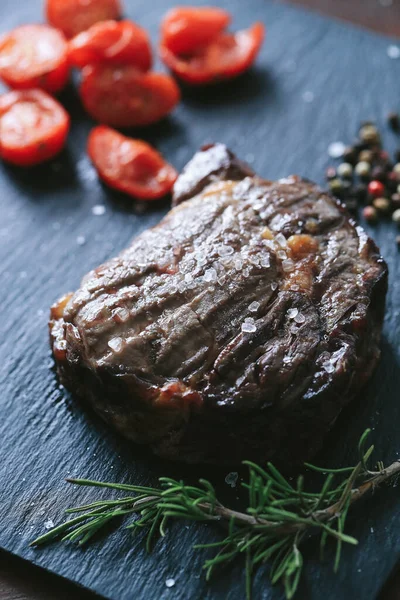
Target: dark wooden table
[21, 581]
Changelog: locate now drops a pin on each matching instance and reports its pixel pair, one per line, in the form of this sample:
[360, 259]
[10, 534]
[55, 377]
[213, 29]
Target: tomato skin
[34, 56]
[113, 42]
[227, 56]
[74, 16]
[129, 165]
[125, 97]
[33, 127]
[185, 29]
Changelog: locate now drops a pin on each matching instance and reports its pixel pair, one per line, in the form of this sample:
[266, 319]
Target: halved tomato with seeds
[34, 56]
[33, 127]
[74, 16]
[113, 42]
[125, 97]
[129, 165]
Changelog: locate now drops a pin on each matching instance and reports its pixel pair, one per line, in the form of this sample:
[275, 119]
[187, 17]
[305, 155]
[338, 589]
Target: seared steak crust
[237, 328]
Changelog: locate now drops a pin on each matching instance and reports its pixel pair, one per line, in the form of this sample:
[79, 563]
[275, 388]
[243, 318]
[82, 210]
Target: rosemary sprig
[278, 518]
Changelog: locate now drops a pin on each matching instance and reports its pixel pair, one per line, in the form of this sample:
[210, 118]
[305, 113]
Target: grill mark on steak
[153, 340]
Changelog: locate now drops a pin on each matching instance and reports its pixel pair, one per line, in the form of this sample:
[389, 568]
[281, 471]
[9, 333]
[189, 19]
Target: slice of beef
[239, 327]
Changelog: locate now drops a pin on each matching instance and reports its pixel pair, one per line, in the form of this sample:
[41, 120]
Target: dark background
[21, 581]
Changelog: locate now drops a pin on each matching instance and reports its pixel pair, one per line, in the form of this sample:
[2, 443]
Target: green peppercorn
[336, 185]
[369, 134]
[370, 214]
[382, 205]
[345, 170]
[363, 169]
[396, 216]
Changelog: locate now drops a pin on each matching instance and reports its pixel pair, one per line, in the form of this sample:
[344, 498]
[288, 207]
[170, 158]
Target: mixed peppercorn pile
[367, 175]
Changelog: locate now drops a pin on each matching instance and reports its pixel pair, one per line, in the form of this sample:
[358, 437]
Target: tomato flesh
[227, 56]
[125, 97]
[186, 29]
[113, 42]
[74, 16]
[33, 127]
[130, 166]
[34, 56]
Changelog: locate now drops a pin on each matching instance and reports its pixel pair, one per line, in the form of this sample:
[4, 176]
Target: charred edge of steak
[212, 417]
[213, 163]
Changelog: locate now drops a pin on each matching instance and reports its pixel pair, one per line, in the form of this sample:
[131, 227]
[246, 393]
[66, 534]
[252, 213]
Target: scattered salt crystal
[328, 366]
[248, 326]
[210, 274]
[308, 96]
[288, 265]
[372, 530]
[116, 344]
[170, 582]
[188, 277]
[238, 264]
[281, 254]
[81, 240]
[281, 240]
[292, 313]
[336, 149]
[254, 306]
[299, 318]
[274, 285]
[49, 524]
[225, 250]
[231, 478]
[294, 330]
[286, 360]
[246, 272]
[393, 51]
[98, 210]
[265, 261]
[295, 287]
[122, 314]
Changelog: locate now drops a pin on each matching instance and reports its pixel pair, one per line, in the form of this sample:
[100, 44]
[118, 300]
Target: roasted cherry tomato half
[130, 166]
[74, 16]
[34, 56]
[125, 97]
[227, 56]
[112, 42]
[184, 29]
[33, 127]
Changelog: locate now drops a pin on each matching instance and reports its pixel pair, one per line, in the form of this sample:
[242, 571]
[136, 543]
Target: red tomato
[74, 16]
[128, 165]
[227, 56]
[186, 28]
[33, 127]
[34, 56]
[125, 97]
[114, 42]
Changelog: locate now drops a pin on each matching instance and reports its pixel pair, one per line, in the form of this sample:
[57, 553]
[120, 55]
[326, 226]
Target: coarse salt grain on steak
[237, 328]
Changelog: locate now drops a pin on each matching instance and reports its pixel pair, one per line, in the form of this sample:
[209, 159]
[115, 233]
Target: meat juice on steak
[237, 328]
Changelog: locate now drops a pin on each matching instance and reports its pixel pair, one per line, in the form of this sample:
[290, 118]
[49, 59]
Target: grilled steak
[238, 327]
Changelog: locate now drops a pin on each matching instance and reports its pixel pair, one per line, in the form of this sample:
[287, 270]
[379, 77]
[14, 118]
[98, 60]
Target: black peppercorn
[360, 192]
[378, 174]
[394, 120]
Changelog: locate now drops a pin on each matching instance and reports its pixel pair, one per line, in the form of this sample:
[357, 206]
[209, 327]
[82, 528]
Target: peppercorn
[394, 120]
[369, 134]
[330, 173]
[366, 155]
[336, 186]
[360, 192]
[345, 170]
[393, 180]
[396, 216]
[396, 201]
[363, 169]
[376, 188]
[382, 205]
[350, 155]
[396, 168]
[378, 174]
[370, 214]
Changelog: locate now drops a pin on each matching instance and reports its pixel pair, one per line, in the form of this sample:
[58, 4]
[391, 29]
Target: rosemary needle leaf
[272, 528]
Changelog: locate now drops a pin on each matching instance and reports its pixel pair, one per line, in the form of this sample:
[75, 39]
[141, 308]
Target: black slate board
[45, 436]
